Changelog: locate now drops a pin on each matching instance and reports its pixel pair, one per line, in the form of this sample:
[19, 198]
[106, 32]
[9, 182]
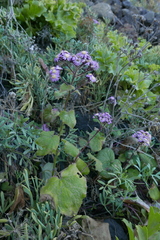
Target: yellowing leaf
[68, 191]
[82, 166]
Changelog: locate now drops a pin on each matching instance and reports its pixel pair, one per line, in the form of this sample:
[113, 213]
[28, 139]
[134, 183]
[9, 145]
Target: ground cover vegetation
[79, 125]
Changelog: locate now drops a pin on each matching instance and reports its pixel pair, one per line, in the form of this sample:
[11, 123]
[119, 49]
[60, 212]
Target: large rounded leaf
[66, 192]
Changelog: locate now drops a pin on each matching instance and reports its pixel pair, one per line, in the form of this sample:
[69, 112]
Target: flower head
[55, 73]
[81, 58]
[95, 21]
[91, 77]
[76, 60]
[45, 127]
[103, 117]
[112, 100]
[63, 56]
[143, 137]
[84, 55]
[92, 64]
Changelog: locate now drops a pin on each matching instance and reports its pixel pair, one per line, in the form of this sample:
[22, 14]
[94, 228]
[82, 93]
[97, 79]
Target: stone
[126, 4]
[127, 16]
[149, 17]
[116, 230]
[103, 11]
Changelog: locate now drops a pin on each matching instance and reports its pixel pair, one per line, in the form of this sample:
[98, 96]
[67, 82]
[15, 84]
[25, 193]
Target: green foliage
[151, 231]
[130, 70]
[68, 118]
[52, 165]
[60, 15]
[47, 221]
[16, 132]
[48, 142]
[96, 141]
[67, 192]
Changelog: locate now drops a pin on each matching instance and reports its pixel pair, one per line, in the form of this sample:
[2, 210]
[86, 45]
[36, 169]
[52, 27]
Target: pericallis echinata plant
[72, 72]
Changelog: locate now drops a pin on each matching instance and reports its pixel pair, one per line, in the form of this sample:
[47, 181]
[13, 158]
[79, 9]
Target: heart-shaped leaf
[68, 191]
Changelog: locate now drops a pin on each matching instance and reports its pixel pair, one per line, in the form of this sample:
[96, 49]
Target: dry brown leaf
[19, 201]
[95, 230]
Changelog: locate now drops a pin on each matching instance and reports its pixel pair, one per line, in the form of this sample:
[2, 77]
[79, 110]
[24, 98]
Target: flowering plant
[143, 137]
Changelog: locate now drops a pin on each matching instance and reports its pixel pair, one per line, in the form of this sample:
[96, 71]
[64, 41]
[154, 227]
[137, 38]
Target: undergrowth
[79, 126]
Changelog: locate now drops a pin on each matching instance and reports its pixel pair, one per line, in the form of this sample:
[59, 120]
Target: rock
[149, 17]
[116, 230]
[103, 11]
[124, 16]
[117, 9]
[129, 31]
[128, 16]
[126, 4]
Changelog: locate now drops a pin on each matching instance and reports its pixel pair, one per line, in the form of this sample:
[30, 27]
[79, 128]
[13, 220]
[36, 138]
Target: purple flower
[92, 64]
[63, 56]
[91, 77]
[77, 61]
[45, 127]
[112, 100]
[95, 21]
[55, 73]
[143, 137]
[81, 58]
[103, 117]
[84, 55]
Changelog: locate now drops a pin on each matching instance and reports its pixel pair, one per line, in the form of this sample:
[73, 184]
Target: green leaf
[133, 173]
[82, 166]
[98, 165]
[49, 143]
[155, 236]
[70, 149]
[154, 192]
[47, 170]
[142, 232]
[36, 9]
[147, 159]
[97, 141]
[130, 229]
[68, 191]
[3, 220]
[153, 221]
[5, 233]
[106, 156]
[68, 117]
[64, 89]
[6, 187]
[109, 163]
